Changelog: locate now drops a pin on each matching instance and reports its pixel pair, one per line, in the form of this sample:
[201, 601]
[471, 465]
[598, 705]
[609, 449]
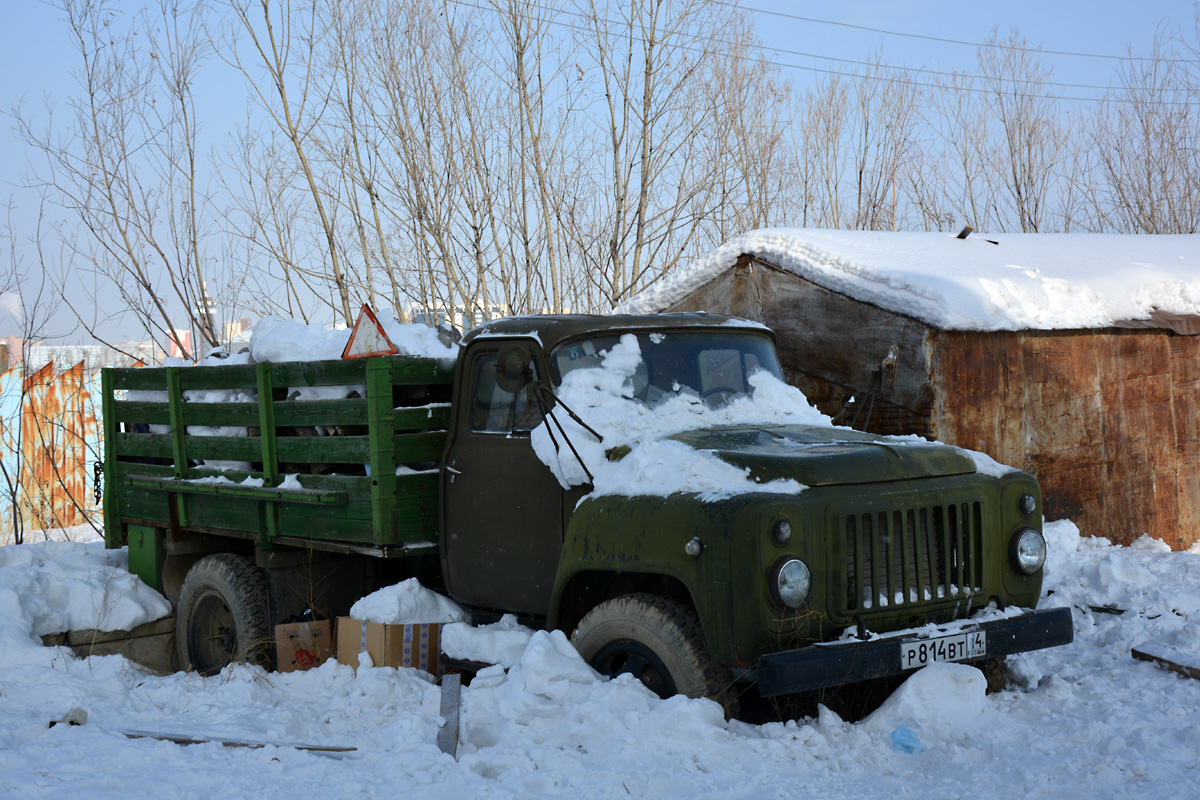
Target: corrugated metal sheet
[50, 440]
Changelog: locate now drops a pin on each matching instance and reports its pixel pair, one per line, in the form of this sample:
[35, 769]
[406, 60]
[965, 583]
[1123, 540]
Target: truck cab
[886, 536]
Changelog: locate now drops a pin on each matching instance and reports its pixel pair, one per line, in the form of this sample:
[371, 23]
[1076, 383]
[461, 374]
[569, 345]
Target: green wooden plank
[178, 431]
[352, 484]
[213, 511]
[418, 447]
[139, 379]
[407, 371]
[323, 449]
[146, 412]
[338, 529]
[423, 418]
[220, 414]
[239, 490]
[146, 504]
[295, 374]
[383, 451]
[224, 448]
[126, 468]
[142, 445]
[357, 511]
[270, 456]
[305, 413]
[223, 377]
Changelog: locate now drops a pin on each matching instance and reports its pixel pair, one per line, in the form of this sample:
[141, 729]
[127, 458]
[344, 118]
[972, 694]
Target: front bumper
[824, 665]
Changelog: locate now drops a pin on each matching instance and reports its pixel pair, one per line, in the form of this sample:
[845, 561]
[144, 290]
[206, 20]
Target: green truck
[250, 510]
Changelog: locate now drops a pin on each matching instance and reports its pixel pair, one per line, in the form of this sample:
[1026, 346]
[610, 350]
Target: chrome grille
[911, 555]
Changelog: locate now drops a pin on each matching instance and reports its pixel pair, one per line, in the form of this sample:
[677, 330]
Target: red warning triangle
[368, 339]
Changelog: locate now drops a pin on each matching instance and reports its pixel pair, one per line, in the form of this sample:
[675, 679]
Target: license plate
[958, 647]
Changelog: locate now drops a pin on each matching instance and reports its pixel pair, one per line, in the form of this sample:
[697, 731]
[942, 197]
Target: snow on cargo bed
[282, 340]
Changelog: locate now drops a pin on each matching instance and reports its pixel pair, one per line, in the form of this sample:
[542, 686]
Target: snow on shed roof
[1027, 281]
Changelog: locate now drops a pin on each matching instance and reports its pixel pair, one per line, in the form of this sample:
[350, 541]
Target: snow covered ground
[1085, 720]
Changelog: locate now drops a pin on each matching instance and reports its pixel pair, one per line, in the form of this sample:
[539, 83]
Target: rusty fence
[50, 443]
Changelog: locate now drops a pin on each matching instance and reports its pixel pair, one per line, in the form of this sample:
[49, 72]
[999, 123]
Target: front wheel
[222, 615]
[658, 641]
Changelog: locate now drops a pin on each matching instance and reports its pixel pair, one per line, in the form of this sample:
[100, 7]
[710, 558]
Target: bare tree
[1146, 144]
[279, 72]
[652, 61]
[124, 165]
[1029, 154]
[958, 116]
[749, 106]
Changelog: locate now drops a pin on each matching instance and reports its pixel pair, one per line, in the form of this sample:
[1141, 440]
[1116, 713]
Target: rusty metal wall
[50, 440]
[1106, 420]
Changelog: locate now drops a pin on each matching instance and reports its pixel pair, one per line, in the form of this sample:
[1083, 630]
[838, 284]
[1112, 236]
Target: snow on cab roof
[1023, 281]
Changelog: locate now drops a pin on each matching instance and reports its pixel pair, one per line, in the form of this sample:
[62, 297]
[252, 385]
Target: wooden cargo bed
[355, 473]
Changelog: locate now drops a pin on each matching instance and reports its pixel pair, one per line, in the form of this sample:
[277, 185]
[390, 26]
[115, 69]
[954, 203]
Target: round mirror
[512, 367]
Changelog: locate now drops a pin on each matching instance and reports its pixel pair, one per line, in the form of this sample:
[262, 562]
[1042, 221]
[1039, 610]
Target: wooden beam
[1169, 659]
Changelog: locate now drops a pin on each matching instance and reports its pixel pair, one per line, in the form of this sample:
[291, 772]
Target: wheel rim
[212, 635]
[627, 657]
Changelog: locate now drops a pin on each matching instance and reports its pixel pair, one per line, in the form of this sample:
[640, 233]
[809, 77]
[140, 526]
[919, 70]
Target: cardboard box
[391, 645]
[303, 645]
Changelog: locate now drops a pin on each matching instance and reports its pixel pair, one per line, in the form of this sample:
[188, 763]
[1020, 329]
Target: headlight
[792, 583]
[782, 532]
[1028, 551]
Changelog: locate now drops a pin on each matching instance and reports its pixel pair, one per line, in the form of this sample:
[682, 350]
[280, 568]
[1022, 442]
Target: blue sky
[36, 57]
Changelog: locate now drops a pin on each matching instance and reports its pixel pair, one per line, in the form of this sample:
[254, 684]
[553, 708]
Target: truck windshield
[714, 365]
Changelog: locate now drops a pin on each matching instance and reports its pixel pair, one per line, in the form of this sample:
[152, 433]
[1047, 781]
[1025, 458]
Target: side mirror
[512, 367]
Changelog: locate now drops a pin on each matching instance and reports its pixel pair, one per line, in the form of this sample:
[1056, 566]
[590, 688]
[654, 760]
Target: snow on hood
[602, 397]
[1027, 281]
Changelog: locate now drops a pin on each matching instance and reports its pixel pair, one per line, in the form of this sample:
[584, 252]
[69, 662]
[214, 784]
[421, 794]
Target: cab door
[502, 508]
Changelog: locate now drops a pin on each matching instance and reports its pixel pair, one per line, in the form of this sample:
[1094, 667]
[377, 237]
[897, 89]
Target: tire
[222, 615]
[657, 640]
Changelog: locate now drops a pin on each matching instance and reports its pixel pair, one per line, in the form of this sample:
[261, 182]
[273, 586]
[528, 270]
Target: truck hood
[821, 456]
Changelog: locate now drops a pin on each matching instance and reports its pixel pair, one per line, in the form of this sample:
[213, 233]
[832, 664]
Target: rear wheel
[658, 641]
[222, 615]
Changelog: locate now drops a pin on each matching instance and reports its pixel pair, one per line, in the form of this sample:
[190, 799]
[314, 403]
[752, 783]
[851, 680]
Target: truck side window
[494, 410]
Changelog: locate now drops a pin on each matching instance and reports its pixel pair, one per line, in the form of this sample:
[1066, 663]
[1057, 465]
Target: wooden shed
[1073, 357]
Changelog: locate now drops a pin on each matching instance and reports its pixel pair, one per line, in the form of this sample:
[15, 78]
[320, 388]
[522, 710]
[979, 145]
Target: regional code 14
[958, 647]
